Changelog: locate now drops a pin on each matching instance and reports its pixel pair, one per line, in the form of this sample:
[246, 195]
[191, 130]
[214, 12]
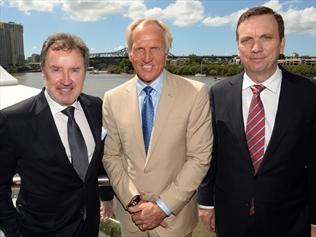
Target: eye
[266, 37]
[139, 51]
[76, 70]
[55, 69]
[155, 50]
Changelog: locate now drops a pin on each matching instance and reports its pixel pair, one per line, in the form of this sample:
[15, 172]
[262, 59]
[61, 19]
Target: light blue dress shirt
[155, 95]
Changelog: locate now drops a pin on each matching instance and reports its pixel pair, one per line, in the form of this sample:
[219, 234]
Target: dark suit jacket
[284, 186]
[52, 199]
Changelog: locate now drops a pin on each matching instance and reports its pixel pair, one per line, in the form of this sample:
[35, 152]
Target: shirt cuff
[163, 206]
[205, 207]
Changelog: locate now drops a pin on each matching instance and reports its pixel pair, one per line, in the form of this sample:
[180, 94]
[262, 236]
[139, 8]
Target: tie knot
[69, 111]
[148, 90]
[256, 89]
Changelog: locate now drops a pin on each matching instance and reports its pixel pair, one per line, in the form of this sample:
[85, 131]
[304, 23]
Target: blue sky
[198, 27]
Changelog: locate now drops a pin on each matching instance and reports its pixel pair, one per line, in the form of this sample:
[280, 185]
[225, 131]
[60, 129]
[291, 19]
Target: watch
[135, 200]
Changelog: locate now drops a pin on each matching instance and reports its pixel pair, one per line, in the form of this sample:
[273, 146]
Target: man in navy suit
[262, 180]
[55, 199]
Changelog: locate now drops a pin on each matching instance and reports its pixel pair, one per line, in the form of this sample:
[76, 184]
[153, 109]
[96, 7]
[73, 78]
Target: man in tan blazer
[156, 186]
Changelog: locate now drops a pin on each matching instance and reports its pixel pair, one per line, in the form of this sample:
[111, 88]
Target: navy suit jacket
[284, 187]
[53, 200]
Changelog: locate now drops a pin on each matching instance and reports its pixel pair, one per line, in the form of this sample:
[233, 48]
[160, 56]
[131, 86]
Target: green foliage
[194, 64]
[110, 228]
[302, 69]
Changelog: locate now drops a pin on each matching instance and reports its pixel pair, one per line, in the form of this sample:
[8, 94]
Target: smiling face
[64, 74]
[148, 51]
[259, 46]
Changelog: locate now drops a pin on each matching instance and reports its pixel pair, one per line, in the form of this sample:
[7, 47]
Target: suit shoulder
[92, 98]
[21, 107]
[188, 83]
[122, 87]
[224, 83]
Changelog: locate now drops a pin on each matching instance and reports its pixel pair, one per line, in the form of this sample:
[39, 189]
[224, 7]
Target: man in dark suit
[262, 179]
[59, 194]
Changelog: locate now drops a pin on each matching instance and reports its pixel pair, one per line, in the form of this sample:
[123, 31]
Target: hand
[105, 210]
[313, 230]
[147, 215]
[207, 216]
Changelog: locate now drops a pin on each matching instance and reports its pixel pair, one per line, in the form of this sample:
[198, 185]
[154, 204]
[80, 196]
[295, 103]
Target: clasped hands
[147, 215]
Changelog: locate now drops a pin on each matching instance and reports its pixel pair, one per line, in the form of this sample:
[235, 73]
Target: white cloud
[296, 21]
[35, 47]
[34, 5]
[1, 2]
[185, 13]
[223, 20]
[91, 10]
[300, 21]
[273, 4]
[181, 13]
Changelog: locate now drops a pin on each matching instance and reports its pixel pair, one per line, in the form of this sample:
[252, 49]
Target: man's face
[64, 74]
[259, 46]
[148, 53]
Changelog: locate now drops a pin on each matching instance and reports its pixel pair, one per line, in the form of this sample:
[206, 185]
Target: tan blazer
[179, 152]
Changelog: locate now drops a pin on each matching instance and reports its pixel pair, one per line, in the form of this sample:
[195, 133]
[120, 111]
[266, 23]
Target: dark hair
[258, 11]
[64, 41]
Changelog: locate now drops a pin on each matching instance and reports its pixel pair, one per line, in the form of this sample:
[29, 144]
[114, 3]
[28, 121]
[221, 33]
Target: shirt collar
[155, 84]
[56, 107]
[272, 84]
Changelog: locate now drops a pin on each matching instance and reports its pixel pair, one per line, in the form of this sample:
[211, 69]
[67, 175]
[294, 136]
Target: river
[95, 84]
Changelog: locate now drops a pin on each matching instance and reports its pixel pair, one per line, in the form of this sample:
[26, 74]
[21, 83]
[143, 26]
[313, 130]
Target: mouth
[147, 67]
[66, 90]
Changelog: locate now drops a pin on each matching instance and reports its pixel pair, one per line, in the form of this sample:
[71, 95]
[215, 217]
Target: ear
[282, 46]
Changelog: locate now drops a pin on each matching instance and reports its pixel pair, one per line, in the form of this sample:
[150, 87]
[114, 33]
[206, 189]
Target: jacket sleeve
[206, 188]
[8, 161]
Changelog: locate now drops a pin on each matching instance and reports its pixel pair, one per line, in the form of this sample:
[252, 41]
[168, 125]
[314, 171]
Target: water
[95, 84]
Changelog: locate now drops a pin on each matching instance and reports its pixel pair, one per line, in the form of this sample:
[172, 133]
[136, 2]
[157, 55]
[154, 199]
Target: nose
[147, 56]
[257, 46]
[66, 78]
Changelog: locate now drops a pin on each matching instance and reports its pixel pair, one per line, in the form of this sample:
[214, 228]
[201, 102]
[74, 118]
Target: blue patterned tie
[147, 116]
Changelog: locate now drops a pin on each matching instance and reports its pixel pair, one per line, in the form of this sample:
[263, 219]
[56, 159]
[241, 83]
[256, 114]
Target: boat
[10, 90]
[200, 74]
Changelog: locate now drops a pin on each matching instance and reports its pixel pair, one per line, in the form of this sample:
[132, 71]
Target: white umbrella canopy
[11, 92]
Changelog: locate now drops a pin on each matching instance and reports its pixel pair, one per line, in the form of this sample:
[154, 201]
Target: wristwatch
[135, 200]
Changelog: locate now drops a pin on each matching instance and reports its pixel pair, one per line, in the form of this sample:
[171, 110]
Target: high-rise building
[11, 45]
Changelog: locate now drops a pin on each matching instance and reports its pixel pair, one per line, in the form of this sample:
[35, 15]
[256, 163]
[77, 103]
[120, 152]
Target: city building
[11, 45]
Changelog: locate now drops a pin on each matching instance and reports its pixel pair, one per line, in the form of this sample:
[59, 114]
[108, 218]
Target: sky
[198, 27]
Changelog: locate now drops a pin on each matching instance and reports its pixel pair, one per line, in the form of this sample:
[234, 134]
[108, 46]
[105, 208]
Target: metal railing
[102, 181]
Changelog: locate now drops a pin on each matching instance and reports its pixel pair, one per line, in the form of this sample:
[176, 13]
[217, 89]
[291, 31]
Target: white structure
[11, 92]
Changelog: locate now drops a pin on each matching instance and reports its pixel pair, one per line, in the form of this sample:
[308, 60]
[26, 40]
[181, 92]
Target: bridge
[123, 53]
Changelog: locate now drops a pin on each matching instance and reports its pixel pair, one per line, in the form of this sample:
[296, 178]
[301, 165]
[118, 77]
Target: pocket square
[103, 133]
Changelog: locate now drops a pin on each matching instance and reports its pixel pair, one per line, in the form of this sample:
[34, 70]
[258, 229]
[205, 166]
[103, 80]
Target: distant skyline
[198, 27]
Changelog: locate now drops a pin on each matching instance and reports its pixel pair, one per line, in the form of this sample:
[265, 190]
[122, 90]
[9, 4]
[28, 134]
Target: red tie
[255, 127]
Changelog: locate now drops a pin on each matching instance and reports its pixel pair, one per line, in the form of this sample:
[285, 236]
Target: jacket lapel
[47, 133]
[93, 117]
[131, 103]
[236, 116]
[287, 102]
[165, 105]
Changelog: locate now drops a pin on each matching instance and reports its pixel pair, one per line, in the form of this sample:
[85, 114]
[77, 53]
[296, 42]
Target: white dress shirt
[269, 97]
[61, 124]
